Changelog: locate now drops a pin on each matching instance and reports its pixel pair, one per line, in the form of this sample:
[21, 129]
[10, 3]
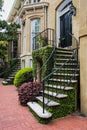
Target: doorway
[64, 24]
[66, 30]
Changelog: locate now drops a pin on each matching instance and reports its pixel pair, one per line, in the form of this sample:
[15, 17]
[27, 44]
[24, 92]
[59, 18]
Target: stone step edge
[67, 52]
[64, 55]
[59, 87]
[62, 80]
[39, 110]
[65, 49]
[59, 95]
[65, 59]
[67, 69]
[66, 64]
[64, 74]
[47, 102]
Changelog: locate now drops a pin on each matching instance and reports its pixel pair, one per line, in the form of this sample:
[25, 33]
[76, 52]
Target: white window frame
[24, 38]
[33, 27]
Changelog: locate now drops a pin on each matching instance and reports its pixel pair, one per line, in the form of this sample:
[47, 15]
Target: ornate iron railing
[47, 37]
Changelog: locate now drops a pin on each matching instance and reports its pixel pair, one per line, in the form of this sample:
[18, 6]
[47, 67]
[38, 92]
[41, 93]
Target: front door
[65, 30]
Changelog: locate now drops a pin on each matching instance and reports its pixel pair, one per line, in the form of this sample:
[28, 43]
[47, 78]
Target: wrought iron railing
[47, 37]
[45, 80]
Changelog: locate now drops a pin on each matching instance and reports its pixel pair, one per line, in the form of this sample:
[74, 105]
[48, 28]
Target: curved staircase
[58, 97]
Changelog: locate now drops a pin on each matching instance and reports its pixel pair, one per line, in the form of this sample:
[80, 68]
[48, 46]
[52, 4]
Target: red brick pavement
[13, 116]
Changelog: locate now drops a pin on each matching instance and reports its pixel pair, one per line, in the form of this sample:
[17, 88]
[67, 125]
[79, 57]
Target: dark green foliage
[3, 24]
[28, 92]
[10, 31]
[8, 68]
[41, 56]
[3, 50]
[22, 76]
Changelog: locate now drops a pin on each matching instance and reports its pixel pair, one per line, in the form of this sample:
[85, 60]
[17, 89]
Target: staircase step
[62, 59]
[65, 49]
[10, 77]
[8, 80]
[62, 55]
[65, 52]
[67, 69]
[39, 110]
[59, 87]
[57, 95]
[48, 102]
[66, 64]
[62, 80]
[65, 74]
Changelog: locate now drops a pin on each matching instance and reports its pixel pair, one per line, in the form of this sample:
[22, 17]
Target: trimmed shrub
[28, 92]
[22, 76]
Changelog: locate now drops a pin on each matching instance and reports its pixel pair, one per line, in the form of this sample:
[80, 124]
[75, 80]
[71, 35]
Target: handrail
[75, 53]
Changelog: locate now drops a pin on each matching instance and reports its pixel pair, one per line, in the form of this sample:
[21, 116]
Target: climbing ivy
[41, 55]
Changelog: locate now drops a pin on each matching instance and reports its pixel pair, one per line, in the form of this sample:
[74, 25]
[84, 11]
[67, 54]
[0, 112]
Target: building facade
[63, 16]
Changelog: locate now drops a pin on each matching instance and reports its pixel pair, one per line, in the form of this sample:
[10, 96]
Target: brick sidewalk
[13, 116]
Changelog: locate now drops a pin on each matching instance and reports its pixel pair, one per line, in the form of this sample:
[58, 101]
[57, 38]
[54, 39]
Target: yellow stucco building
[34, 16]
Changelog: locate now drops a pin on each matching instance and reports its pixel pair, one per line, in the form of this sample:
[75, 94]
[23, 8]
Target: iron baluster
[43, 98]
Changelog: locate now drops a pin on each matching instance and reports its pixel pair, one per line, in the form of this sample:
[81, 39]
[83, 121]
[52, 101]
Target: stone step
[71, 64]
[66, 69]
[62, 80]
[62, 59]
[59, 87]
[39, 110]
[11, 77]
[62, 55]
[57, 95]
[65, 74]
[65, 52]
[65, 49]
[8, 80]
[48, 102]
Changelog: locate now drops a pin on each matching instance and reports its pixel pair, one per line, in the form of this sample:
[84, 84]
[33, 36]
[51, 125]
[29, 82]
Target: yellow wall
[83, 54]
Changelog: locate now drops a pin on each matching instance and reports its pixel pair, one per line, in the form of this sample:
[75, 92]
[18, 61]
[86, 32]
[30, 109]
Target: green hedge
[23, 75]
[41, 55]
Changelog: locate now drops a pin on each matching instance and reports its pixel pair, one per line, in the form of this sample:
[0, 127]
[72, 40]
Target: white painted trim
[61, 12]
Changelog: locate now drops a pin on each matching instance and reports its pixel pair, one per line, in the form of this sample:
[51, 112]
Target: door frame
[60, 12]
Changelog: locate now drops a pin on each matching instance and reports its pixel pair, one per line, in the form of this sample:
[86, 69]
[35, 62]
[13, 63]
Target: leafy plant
[42, 40]
[9, 31]
[22, 76]
[3, 50]
[28, 92]
[41, 56]
[39, 40]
